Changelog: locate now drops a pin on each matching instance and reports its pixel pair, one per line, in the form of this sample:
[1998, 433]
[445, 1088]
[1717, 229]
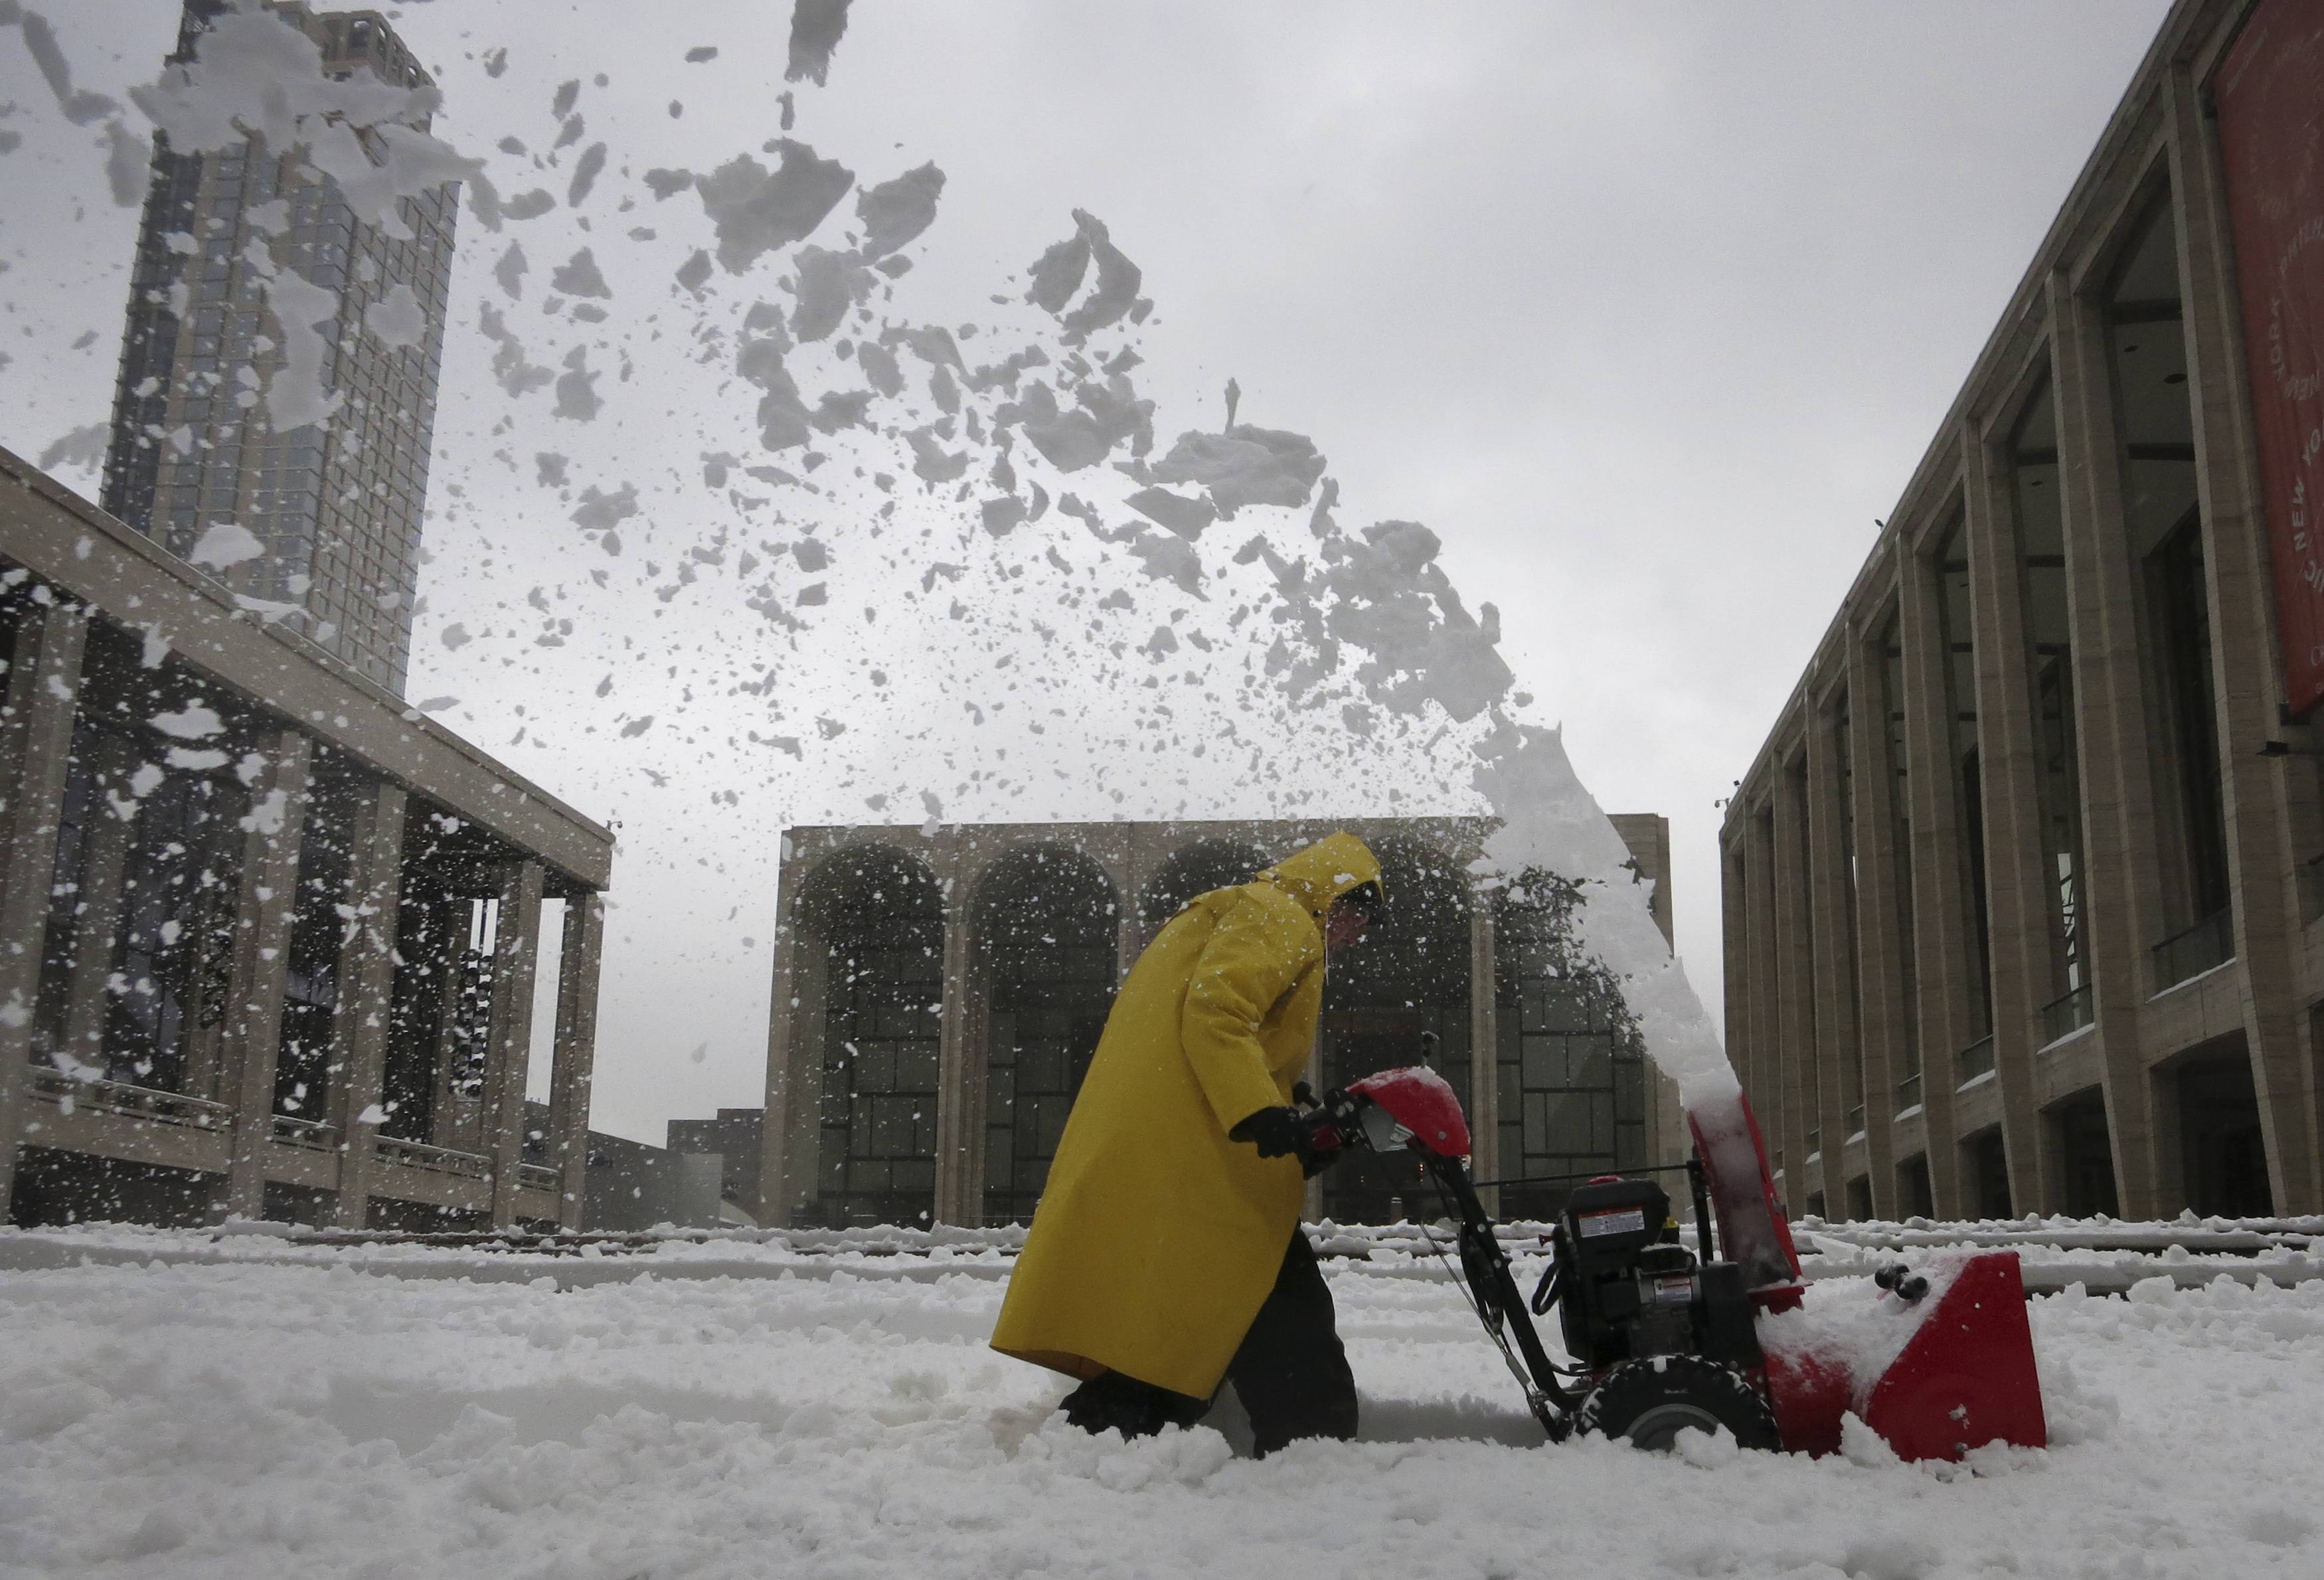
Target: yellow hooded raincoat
[1157, 1238]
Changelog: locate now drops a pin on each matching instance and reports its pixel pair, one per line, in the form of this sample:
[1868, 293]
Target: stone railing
[539, 1177]
[305, 1133]
[51, 1086]
[435, 1159]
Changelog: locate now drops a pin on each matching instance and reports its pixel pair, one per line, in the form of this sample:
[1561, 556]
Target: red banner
[2270, 93]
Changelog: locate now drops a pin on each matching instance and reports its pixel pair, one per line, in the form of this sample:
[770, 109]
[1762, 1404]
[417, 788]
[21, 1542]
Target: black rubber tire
[1651, 1401]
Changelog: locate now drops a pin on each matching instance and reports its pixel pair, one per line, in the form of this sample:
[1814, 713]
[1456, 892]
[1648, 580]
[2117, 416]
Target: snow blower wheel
[1651, 1401]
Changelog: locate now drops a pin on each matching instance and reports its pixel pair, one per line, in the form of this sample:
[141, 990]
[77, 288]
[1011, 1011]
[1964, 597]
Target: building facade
[231, 245]
[268, 938]
[938, 994]
[2020, 895]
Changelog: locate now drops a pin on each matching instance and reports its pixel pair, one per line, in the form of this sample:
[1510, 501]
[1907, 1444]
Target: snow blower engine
[1661, 1338]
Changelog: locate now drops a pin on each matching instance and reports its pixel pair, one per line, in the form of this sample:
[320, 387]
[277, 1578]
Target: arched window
[878, 916]
[1045, 928]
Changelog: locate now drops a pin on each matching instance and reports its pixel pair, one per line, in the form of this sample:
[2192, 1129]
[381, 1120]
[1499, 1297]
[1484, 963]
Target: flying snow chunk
[1186, 517]
[599, 511]
[193, 722]
[586, 173]
[1164, 559]
[756, 211]
[1058, 273]
[439, 703]
[783, 417]
[895, 212]
[580, 276]
[828, 284]
[83, 447]
[225, 544]
[1116, 291]
[295, 396]
[931, 462]
[511, 271]
[397, 317]
[701, 52]
[1109, 414]
[881, 369]
[817, 28]
[1245, 465]
[577, 388]
[128, 164]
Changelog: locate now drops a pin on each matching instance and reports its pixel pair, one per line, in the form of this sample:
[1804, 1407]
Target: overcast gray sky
[1648, 311]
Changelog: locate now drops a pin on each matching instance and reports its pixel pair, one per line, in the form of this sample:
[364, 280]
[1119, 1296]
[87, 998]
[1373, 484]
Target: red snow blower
[1663, 1337]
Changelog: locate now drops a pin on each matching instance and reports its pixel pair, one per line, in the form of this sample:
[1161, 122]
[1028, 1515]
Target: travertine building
[2020, 895]
[228, 240]
[268, 938]
[937, 996]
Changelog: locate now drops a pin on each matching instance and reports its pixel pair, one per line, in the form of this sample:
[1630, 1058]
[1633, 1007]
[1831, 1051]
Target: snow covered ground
[842, 1417]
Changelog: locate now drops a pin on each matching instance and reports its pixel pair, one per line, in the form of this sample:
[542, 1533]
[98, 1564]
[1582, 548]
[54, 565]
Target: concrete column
[1879, 942]
[794, 1084]
[97, 926]
[953, 1202]
[1939, 901]
[44, 682]
[456, 1118]
[1833, 949]
[2009, 763]
[1144, 854]
[272, 835]
[1795, 989]
[1108, 845]
[2244, 666]
[516, 953]
[2122, 888]
[1128, 937]
[1484, 1094]
[366, 991]
[1738, 986]
[577, 1050]
[1765, 1076]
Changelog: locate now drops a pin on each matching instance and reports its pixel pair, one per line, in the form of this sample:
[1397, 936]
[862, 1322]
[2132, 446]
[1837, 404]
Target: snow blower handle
[1325, 1126]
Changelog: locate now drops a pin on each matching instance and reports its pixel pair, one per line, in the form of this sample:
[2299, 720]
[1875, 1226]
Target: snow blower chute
[1663, 1337]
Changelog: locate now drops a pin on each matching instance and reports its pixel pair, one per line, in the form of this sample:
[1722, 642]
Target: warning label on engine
[1618, 1220]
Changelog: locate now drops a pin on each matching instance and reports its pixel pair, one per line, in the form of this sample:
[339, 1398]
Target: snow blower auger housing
[1663, 1339]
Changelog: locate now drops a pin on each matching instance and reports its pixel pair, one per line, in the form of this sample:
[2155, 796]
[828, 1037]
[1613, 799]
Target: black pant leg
[1291, 1372]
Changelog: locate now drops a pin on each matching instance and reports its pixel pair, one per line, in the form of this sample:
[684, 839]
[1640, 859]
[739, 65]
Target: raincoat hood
[1326, 870]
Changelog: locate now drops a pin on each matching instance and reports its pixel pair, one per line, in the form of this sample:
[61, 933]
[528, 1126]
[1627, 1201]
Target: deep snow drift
[255, 1419]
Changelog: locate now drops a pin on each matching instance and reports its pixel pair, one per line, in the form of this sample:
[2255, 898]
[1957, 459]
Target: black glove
[1275, 1131]
[1282, 1133]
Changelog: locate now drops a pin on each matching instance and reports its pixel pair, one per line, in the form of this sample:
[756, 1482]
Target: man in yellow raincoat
[1166, 1255]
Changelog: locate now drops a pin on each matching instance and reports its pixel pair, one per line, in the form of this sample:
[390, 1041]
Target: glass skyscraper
[337, 504]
